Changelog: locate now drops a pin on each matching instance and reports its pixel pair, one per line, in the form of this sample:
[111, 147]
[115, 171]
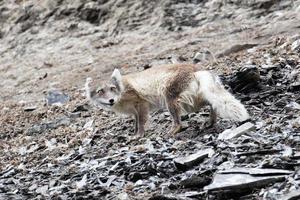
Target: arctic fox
[178, 87]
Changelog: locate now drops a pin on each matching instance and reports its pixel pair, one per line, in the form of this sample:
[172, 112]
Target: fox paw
[175, 129]
[89, 80]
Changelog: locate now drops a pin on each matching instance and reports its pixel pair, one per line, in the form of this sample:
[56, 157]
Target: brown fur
[178, 81]
[154, 87]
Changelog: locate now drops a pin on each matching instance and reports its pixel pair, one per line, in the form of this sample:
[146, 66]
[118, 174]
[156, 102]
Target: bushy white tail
[224, 103]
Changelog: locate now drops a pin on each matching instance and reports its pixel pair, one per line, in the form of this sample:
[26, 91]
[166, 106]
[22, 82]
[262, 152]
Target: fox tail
[222, 101]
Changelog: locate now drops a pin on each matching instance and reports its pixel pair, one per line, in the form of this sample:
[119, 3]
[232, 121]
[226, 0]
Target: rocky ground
[71, 150]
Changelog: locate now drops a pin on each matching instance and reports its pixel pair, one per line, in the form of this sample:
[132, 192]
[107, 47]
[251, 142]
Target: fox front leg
[136, 126]
[141, 118]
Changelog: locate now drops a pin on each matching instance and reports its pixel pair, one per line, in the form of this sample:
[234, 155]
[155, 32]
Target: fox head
[107, 95]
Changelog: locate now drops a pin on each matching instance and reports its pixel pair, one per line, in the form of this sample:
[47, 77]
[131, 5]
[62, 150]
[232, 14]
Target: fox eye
[100, 91]
[113, 88]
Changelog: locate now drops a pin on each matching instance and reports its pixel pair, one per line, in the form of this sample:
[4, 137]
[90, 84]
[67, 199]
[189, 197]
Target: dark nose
[111, 101]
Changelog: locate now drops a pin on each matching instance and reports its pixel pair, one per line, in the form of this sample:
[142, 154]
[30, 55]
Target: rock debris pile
[76, 151]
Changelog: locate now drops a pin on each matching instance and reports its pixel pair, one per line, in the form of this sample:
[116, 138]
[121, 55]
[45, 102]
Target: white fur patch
[225, 104]
[116, 75]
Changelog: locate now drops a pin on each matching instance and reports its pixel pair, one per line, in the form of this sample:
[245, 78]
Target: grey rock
[234, 49]
[42, 190]
[192, 195]
[164, 197]
[256, 171]
[193, 159]
[233, 133]
[296, 46]
[123, 196]
[9, 173]
[296, 155]
[240, 181]
[205, 55]
[30, 108]
[195, 182]
[56, 97]
[245, 79]
[292, 195]
[46, 126]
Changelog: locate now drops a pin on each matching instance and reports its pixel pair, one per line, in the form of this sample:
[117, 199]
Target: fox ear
[117, 79]
[116, 75]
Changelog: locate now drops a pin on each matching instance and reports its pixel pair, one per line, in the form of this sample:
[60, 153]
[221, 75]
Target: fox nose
[111, 101]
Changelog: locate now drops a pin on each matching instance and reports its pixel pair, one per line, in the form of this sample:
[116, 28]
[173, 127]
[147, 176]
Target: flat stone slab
[256, 171]
[233, 133]
[241, 181]
[30, 108]
[193, 159]
[56, 97]
[293, 195]
[295, 45]
[296, 155]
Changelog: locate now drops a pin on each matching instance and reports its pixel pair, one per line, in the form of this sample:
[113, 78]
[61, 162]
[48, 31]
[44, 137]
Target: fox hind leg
[212, 118]
[174, 110]
[174, 87]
